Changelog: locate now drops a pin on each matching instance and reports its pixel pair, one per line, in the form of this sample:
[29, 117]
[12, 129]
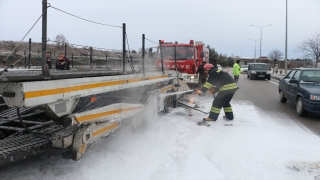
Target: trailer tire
[167, 104]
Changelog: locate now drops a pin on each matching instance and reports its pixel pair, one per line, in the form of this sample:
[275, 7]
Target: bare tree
[60, 40]
[275, 55]
[311, 47]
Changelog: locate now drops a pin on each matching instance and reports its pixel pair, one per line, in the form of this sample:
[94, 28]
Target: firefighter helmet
[208, 66]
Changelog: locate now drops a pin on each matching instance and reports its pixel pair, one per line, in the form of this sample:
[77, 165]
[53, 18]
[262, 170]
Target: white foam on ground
[174, 147]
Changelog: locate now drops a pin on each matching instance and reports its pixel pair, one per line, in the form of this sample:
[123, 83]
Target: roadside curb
[276, 77]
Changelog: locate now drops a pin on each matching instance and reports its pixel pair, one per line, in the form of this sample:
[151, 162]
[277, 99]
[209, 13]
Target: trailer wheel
[168, 103]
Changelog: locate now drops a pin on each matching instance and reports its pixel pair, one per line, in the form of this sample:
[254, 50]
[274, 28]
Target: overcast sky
[223, 24]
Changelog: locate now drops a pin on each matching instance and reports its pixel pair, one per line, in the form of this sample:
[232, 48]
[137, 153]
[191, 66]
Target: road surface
[264, 95]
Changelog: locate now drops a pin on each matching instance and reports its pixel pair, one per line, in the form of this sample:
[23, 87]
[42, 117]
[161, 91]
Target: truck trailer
[75, 108]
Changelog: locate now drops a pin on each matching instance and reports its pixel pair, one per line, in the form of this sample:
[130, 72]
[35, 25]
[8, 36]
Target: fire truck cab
[187, 58]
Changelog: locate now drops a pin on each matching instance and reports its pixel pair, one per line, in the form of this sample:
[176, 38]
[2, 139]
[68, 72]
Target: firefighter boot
[208, 119]
[228, 122]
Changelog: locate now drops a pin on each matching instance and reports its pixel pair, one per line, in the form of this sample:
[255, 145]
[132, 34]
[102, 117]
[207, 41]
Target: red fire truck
[187, 57]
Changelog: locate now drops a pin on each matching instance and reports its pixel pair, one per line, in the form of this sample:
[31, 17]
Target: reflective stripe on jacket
[219, 81]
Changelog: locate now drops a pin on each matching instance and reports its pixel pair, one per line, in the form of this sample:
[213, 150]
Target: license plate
[260, 75]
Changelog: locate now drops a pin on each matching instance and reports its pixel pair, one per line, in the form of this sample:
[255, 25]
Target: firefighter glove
[212, 91]
[199, 92]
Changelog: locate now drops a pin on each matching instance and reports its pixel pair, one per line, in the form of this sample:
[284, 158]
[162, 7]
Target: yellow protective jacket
[236, 69]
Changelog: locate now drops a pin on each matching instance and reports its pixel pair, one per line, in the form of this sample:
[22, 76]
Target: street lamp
[286, 41]
[261, 37]
[255, 49]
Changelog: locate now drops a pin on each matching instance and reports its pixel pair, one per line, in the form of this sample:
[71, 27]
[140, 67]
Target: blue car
[301, 86]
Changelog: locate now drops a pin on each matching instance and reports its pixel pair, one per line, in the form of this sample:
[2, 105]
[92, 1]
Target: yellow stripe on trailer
[130, 108]
[83, 147]
[48, 92]
[93, 116]
[33, 94]
[107, 128]
[166, 88]
[157, 77]
[107, 113]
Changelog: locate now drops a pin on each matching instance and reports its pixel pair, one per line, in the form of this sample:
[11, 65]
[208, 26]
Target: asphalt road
[264, 96]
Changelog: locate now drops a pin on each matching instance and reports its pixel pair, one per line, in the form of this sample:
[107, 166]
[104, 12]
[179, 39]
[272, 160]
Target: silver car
[244, 69]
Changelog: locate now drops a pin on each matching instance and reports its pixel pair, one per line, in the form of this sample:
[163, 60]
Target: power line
[17, 61]
[150, 40]
[129, 57]
[87, 46]
[83, 18]
[107, 49]
[128, 44]
[24, 36]
[4, 70]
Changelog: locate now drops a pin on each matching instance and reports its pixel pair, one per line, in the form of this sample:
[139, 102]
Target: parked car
[258, 70]
[219, 66]
[244, 69]
[301, 86]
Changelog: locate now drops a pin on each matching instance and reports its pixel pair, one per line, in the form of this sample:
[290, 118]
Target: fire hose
[193, 108]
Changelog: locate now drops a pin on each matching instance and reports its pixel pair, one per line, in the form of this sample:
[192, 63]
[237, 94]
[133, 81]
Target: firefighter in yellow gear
[222, 82]
[236, 70]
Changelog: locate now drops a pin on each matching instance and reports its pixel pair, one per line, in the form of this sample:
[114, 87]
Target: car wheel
[300, 108]
[250, 77]
[269, 79]
[281, 98]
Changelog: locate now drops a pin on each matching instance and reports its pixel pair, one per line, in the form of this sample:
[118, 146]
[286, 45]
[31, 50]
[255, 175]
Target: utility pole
[29, 54]
[261, 37]
[143, 53]
[90, 57]
[124, 46]
[45, 72]
[286, 49]
[161, 55]
[255, 51]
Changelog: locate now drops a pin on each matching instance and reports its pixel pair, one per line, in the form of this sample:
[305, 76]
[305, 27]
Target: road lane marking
[273, 82]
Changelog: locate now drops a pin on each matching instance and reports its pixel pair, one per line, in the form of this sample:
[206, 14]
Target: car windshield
[182, 52]
[259, 67]
[310, 76]
[244, 66]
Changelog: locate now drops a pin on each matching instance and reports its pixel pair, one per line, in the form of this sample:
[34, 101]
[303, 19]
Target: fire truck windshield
[182, 52]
